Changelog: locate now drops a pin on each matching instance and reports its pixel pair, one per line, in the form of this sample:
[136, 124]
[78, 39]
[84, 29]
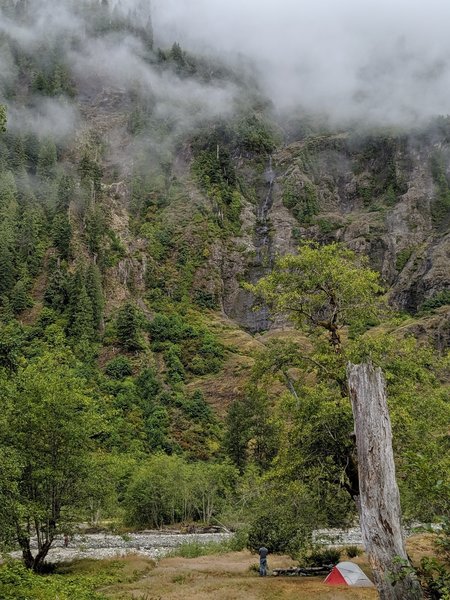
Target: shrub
[322, 556]
[301, 198]
[352, 551]
[18, 583]
[174, 366]
[119, 368]
[440, 299]
[205, 299]
[171, 328]
[197, 408]
[402, 258]
[434, 578]
[443, 540]
[255, 135]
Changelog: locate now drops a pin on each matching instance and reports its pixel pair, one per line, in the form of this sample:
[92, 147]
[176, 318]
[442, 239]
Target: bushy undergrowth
[18, 583]
[321, 556]
[195, 549]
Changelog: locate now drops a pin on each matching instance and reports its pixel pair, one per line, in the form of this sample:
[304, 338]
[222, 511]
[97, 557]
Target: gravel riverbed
[155, 544]
[106, 545]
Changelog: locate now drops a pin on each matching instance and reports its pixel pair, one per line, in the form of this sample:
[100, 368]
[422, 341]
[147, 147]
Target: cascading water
[259, 319]
[241, 303]
[262, 231]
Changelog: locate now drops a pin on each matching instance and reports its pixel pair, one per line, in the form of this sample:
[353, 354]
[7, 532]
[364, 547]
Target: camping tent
[347, 573]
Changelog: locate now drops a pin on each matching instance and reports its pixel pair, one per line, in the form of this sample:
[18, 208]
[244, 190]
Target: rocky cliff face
[381, 194]
[378, 195]
[385, 194]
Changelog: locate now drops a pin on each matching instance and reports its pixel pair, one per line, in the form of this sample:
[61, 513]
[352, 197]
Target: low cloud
[373, 61]
[381, 61]
[48, 117]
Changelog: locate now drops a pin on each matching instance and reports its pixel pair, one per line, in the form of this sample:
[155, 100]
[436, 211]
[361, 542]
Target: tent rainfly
[347, 573]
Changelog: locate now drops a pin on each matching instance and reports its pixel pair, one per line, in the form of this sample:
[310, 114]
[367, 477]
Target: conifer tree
[128, 328]
[46, 165]
[19, 297]
[56, 294]
[32, 151]
[30, 238]
[17, 154]
[95, 293]
[2, 118]
[7, 269]
[66, 189]
[82, 327]
[62, 234]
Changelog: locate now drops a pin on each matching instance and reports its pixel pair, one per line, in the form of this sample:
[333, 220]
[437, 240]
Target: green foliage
[440, 299]
[441, 204]
[352, 551]
[250, 435]
[2, 118]
[302, 199]
[7, 271]
[82, 318]
[66, 190]
[205, 299]
[11, 341]
[443, 539]
[215, 173]
[16, 583]
[46, 429]
[327, 225]
[322, 556]
[90, 172]
[325, 287]
[171, 328]
[197, 408]
[56, 294]
[177, 55]
[55, 81]
[434, 578]
[62, 234]
[196, 549]
[128, 325]
[119, 368]
[420, 414]
[95, 293]
[186, 346]
[175, 369]
[95, 228]
[280, 524]
[19, 296]
[255, 135]
[402, 258]
[167, 490]
[47, 160]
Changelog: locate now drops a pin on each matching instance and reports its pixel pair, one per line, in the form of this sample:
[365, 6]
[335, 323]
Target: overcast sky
[381, 60]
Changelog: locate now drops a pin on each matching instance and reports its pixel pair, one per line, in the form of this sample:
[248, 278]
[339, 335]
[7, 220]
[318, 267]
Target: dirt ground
[231, 577]
[228, 577]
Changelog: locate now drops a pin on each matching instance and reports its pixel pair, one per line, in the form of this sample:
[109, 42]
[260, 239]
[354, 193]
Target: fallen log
[302, 571]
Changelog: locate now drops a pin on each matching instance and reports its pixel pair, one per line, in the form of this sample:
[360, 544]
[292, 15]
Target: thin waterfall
[263, 245]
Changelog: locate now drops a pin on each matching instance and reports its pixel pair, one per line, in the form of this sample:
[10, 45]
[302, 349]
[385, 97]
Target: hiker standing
[263, 552]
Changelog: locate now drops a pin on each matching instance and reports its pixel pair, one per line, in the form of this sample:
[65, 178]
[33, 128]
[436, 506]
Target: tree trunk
[379, 502]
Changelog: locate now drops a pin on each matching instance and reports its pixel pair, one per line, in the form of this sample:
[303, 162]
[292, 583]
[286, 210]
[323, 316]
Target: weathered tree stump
[379, 501]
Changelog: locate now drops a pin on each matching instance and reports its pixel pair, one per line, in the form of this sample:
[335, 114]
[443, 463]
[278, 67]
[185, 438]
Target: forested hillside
[146, 379]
